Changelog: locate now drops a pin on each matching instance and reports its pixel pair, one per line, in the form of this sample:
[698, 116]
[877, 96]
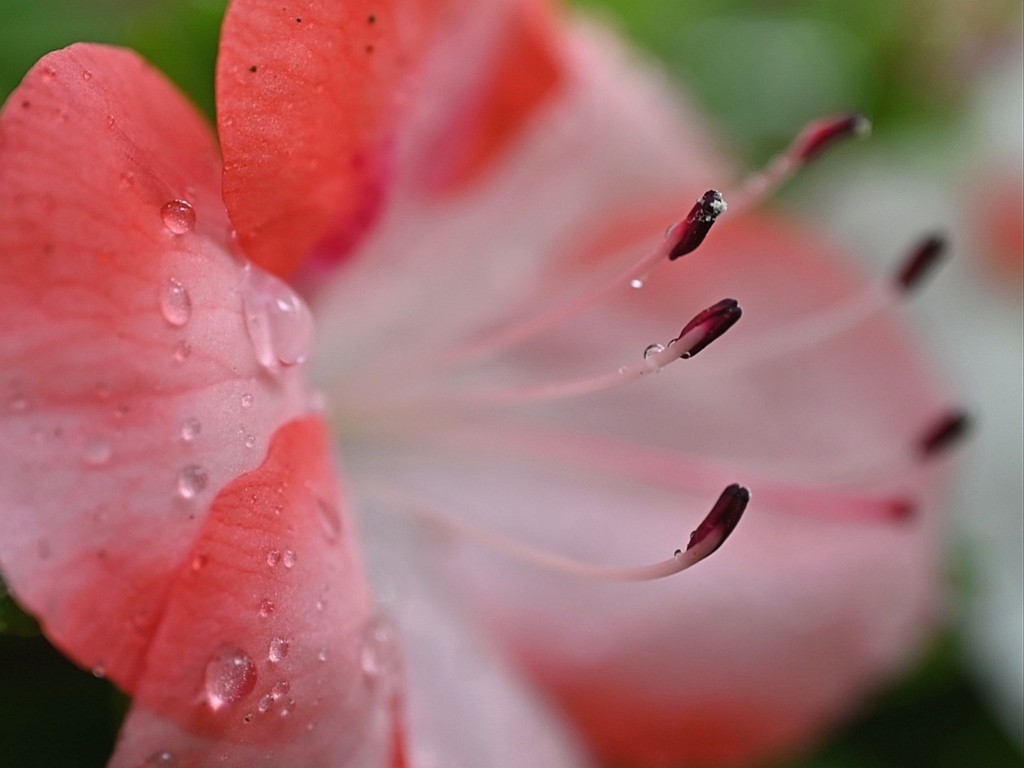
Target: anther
[821, 135]
[920, 261]
[721, 520]
[944, 433]
[695, 227]
[710, 325]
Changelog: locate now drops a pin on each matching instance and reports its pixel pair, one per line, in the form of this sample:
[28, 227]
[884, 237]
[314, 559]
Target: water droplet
[266, 702]
[49, 74]
[161, 759]
[379, 655]
[273, 557]
[322, 655]
[199, 562]
[86, 74]
[230, 676]
[250, 441]
[190, 429]
[278, 321]
[288, 558]
[179, 216]
[181, 351]
[266, 608]
[623, 369]
[287, 708]
[97, 449]
[652, 349]
[280, 690]
[99, 671]
[330, 518]
[247, 400]
[127, 179]
[111, 122]
[192, 481]
[636, 282]
[175, 303]
[278, 650]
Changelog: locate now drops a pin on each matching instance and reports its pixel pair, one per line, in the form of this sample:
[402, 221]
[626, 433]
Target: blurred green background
[761, 69]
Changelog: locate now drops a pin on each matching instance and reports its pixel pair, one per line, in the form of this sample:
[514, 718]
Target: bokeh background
[943, 82]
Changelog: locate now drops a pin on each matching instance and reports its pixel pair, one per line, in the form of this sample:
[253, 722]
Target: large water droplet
[192, 481]
[190, 429]
[279, 323]
[230, 676]
[97, 449]
[179, 216]
[288, 558]
[330, 518]
[175, 303]
[278, 650]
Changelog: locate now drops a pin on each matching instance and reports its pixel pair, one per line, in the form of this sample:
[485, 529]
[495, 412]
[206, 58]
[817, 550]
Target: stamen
[695, 227]
[823, 134]
[704, 541]
[825, 325]
[676, 471]
[921, 261]
[703, 329]
[946, 432]
[720, 522]
[811, 143]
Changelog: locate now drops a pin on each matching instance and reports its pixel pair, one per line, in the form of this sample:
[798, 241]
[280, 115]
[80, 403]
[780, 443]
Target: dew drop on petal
[97, 450]
[182, 350]
[378, 657]
[175, 303]
[266, 608]
[330, 519]
[230, 676]
[278, 650]
[192, 481]
[322, 655]
[637, 283]
[190, 429]
[178, 216]
[280, 690]
[288, 558]
[266, 702]
[273, 557]
[247, 400]
[653, 349]
[278, 321]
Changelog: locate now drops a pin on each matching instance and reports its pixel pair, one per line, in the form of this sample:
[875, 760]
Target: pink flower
[458, 222]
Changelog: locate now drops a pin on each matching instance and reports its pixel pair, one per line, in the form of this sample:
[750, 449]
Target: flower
[174, 520]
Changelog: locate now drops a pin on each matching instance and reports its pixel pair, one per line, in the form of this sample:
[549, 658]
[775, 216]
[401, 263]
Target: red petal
[306, 98]
[525, 71]
[119, 339]
[273, 585]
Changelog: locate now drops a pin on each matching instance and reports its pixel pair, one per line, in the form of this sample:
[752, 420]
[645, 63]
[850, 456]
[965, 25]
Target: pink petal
[259, 651]
[308, 97]
[134, 403]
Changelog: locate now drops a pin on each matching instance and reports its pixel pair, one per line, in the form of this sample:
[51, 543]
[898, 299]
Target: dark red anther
[713, 321]
[824, 134]
[698, 223]
[943, 434]
[919, 262]
[723, 517]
